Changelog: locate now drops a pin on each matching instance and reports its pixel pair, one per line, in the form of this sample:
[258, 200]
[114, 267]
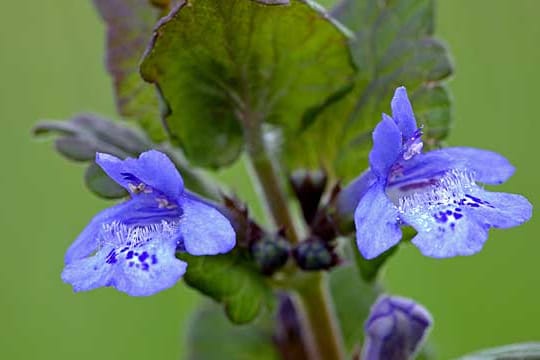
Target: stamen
[413, 146]
[137, 189]
[165, 204]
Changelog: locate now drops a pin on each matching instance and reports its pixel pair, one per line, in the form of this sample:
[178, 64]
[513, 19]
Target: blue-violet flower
[434, 192]
[395, 329]
[132, 246]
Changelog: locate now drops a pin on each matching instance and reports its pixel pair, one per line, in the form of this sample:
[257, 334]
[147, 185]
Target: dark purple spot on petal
[154, 259]
[129, 255]
[130, 177]
[458, 216]
[441, 217]
[473, 198]
[111, 257]
[143, 256]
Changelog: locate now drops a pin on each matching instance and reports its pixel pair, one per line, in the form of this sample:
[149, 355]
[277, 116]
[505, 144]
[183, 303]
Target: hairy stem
[266, 173]
[318, 316]
[321, 336]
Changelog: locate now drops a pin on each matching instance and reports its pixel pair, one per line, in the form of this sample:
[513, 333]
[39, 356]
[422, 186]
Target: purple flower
[132, 246]
[437, 192]
[395, 329]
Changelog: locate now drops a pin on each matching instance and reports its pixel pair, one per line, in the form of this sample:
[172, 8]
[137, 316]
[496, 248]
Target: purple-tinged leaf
[129, 30]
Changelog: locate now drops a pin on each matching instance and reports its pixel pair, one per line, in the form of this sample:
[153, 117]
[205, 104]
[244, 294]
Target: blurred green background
[51, 64]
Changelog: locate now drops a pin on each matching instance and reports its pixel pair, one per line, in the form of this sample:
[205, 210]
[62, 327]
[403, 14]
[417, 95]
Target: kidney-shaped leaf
[393, 45]
[219, 64]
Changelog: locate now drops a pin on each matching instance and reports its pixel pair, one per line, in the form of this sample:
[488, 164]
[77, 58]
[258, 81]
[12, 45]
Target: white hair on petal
[447, 190]
[119, 234]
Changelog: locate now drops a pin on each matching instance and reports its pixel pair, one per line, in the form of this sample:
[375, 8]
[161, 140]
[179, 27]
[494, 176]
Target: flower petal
[387, 146]
[376, 220]
[499, 210]
[153, 268]
[445, 229]
[140, 210]
[402, 113]
[89, 273]
[349, 197]
[142, 270]
[205, 231]
[486, 166]
[87, 241]
[395, 329]
[152, 168]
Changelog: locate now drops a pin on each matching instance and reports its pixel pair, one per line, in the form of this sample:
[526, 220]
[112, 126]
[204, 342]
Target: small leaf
[85, 134]
[101, 184]
[524, 351]
[231, 279]
[129, 30]
[393, 46]
[352, 300]
[212, 337]
[76, 148]
[369, 269]
[220, 64]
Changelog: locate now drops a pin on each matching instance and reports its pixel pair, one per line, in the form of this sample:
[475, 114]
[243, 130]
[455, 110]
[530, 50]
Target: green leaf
[327, 3]
[129, 30]
[212, 337]
[353, 298]
[393, 46]
[84, 135]
[219, 64]
[369, 269]
[231, 279]
[524, 351]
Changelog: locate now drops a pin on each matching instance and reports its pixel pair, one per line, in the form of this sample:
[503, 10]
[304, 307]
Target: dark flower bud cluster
[315, 254]
[270, 253]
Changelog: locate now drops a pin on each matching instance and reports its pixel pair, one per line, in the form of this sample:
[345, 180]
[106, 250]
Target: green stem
[321, 335]
[267, 175]
[319, 317]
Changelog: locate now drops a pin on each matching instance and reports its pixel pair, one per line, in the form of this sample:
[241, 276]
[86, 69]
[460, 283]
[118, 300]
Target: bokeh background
[51, 64]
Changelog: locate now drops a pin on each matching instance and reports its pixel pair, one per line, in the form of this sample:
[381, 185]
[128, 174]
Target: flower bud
[308, 187]
[270, 253]
[315, 254]
[395, 329]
